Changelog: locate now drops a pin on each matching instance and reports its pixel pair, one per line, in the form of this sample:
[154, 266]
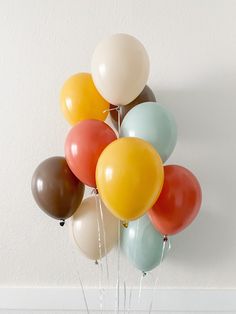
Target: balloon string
[153, 292]
[104, 237]
[81, 283]
[165, 240]
[100, 251]
[119, 119]
[141, 286]
[124, 296]
[130, 298]
[118, 271]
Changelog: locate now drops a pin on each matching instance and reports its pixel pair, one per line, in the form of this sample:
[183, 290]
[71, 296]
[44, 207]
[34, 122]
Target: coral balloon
[120, 68]
[94, 228]
[84, 144]
[179, 201]
[146, 95]
[129, 177]
[55, 188]
[80, 99]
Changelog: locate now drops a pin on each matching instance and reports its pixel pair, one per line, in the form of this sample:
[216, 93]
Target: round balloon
[153, 123]
[129, 177]
[84, 144]
[120, 68]
[179, 201]
[143, 244]
[80, 99]
[94, 228]
[146, 95]
[55, 188]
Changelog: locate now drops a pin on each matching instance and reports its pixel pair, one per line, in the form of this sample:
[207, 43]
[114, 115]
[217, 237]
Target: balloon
[129, 177]
[55, 189]
[143, 244]
[153, 123]
[80, 100]
[146, 95]
[120, 68]
[83, 146]
[94, 228]
[179, 201]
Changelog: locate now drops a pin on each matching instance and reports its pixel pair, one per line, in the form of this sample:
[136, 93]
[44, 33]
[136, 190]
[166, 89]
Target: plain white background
[192, 49]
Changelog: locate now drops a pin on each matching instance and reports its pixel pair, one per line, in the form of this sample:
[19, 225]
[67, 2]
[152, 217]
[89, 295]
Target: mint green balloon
[142, 244]
[154, 124]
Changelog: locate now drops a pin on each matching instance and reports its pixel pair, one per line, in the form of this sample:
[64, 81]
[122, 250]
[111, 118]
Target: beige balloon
[94, 228]
[120, 68]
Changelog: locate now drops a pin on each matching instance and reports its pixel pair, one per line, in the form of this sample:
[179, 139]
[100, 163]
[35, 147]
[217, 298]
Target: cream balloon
[94, 228]
[120, 68]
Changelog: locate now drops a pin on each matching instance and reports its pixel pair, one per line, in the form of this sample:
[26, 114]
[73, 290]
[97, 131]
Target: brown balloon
[55, 188]
[146, 95]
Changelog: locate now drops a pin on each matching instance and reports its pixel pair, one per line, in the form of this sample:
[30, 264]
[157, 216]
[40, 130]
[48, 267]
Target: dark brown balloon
[146, 95]
[55, 188]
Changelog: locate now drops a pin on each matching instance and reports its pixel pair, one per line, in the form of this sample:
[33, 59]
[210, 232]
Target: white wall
[192, 47]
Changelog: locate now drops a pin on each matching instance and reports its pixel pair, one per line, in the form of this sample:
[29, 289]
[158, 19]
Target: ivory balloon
[91, 222]
[120, 68]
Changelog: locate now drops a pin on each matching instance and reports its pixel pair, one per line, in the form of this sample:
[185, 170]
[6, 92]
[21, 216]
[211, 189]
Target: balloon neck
[125, 224]
[144, 274]
[165, 238]
[62, 222]
[94, 191]
[96, 262]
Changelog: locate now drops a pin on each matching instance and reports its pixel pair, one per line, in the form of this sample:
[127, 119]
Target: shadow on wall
[205, 116]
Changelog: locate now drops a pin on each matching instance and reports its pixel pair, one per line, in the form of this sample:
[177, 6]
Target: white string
[140, 287]
[118, 271]
[100, 252]
[81, 283]
[130, 298]
[124, 296]
[104, 236]
[165, 240]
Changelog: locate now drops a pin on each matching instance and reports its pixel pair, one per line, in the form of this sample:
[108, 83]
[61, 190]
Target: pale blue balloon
[153, 123]
[142, 244]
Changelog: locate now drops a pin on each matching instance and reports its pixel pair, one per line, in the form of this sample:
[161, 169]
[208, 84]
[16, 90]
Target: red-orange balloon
[84, 144]
[179, 201]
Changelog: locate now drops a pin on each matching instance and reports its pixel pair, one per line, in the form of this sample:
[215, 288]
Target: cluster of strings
[127, 299]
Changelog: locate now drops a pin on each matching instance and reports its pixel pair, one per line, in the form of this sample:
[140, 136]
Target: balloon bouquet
[129, 182]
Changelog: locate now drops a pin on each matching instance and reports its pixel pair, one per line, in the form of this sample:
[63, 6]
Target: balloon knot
[165, 239]
[96, 262]
[62, 222]
[125, 224]
[144, 274]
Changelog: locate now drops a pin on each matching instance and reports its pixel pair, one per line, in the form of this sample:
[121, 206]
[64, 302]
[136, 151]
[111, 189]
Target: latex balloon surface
[143, 244]
[146, 95]
[94, 228]
[179, 201]
[84, 144]
[129, 177]
[80, 99]
[55, 188]
[153, 123]
[120, 68]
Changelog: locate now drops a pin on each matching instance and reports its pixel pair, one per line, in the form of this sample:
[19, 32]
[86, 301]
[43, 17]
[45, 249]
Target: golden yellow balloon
[129, 177]
[80, 99]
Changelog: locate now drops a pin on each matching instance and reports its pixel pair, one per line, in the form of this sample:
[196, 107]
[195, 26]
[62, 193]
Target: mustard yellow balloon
[129, 177]
[80, 99]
